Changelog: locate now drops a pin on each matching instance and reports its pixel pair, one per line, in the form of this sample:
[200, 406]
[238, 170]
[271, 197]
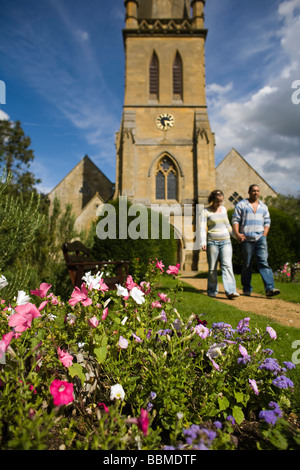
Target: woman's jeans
[258, 248]
[221, 250]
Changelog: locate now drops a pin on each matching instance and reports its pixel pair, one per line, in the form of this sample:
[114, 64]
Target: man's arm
[236, 218]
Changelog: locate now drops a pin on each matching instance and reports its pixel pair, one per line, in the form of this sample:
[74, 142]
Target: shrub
[136, 251]
[126, 370]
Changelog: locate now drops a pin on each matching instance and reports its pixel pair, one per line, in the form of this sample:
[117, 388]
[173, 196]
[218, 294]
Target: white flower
[123, 343]
[3, 281]
[22, 298]
[202, 331]
[71, 318]
[93, 281]
[117, 392]
[137, 295]
[121, 290]
[124, 321]
[215, 350]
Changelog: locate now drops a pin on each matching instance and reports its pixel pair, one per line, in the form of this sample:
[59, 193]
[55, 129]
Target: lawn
[289, 291]
[190, 300]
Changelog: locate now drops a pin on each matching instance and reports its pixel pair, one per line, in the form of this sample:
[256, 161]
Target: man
[251, 223]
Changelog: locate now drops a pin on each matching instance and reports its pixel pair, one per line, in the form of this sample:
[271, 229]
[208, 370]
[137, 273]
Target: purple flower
[282, 382]
[270, 364]
[218, 424]
[276, 408]
[231, 419]
[137, 338]
[289, 365]
[243, 325]
[268, 416]
[244, 359]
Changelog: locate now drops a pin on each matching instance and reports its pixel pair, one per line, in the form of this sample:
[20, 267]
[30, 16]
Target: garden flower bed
[124, 370]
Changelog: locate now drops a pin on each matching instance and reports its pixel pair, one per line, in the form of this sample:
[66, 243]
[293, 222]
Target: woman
[215, 231]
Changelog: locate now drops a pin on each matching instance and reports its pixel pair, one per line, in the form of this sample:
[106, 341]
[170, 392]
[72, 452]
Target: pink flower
[271, 332]
[42, 291]
[7, 339]
[160, 265]
[253, 385]
[80, 295]
[173, 269]
[62, 392]
[130, 284]
[145, 287]
[243, 350]
[94, 322]
[54, 299]
[105, 313]
[102, 286]
[163, 297]
[65, 358]
[142, 422]
[156, 304]
[22, 320]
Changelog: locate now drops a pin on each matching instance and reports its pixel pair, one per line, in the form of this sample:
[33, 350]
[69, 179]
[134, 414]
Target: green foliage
[44, 256]
[20, 221]
[16, 156]
[176, 375]
[283, 241]
[123, 247]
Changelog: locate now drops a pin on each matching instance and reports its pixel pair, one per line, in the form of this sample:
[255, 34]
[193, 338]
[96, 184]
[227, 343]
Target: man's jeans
[260, 249]
[221, 250]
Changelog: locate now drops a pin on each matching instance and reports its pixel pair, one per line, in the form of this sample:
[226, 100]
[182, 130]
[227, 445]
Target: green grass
[191, 300]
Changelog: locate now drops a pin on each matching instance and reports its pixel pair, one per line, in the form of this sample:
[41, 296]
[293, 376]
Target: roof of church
[237, 154]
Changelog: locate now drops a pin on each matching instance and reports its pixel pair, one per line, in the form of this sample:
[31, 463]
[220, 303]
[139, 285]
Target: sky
[62, 63]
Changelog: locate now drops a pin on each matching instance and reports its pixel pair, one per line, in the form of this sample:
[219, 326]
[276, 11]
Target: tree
[16, 156]
[288, 204]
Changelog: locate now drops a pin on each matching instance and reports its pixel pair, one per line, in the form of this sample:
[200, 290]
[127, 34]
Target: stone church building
[165, 148]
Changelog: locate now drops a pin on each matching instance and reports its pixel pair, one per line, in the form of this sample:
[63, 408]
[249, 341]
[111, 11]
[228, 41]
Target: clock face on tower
[165, 121]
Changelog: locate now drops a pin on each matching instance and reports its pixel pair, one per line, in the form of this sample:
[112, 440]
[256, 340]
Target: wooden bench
[79, 261]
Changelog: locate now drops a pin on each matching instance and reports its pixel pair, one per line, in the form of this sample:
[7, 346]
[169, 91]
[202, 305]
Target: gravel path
[286, 313]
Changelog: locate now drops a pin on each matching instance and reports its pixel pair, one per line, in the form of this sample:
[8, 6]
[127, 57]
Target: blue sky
[62, 62]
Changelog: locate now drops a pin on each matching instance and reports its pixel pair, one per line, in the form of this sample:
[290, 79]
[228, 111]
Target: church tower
[165, 146]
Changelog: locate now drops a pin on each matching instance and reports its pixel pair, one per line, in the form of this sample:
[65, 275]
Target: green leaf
[100, 354]
[239, 396]
[77, 369]
[238, 414]
[223, 403]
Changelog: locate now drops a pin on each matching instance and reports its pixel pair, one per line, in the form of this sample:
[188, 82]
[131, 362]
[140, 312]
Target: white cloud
[3, 116]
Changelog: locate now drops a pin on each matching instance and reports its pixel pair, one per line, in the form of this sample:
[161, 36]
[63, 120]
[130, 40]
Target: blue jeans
[258, 248]
[221, 250]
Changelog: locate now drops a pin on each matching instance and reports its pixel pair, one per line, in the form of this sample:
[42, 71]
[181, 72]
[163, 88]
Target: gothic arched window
[177, 77]
[154, 77]
[166, 180]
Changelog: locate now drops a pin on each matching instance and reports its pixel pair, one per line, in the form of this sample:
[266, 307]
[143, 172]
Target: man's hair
[252, 186]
